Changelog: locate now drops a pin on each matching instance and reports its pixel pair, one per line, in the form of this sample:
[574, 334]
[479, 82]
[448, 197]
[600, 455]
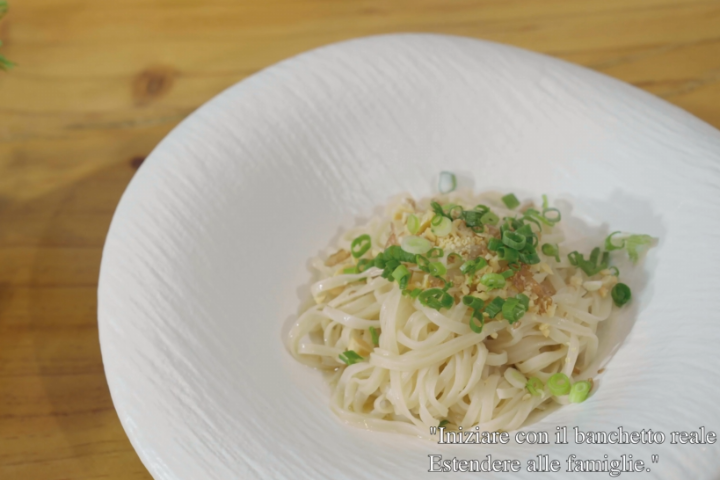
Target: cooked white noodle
[429, 365]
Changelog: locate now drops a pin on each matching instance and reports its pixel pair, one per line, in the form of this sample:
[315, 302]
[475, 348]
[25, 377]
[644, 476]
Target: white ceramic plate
[208, 250]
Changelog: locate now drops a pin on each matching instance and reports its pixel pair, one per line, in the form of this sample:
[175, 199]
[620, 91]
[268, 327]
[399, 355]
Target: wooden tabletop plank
[99, 84]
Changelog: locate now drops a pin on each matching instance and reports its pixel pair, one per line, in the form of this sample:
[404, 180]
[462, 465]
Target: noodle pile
[429, 366]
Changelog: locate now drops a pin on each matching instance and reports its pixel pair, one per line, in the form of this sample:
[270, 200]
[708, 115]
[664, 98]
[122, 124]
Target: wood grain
[99, 83]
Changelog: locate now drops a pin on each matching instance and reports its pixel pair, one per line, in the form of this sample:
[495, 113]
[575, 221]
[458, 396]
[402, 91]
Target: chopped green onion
[350, 270]
[443, 424]
[610, 246]
[621, 294]
[454, 257]
[422, 263]
[472, 218]
[415, 292]
[380, 260]
[535, 386]
[525, 230]
[614, 271]
[558, 384]
[555, 218]
[435, 253]
[441, 226]
[529, 256]
[435, 298]
[508, 254]
[514, 240]
[473, 302]
[494, 244]
[395, 252]
[579, 391]
[489, 218]
[413, 224]
[350, 357]
[364, 264]
[591, 266]
[453, 210]
[375, 336]
[437, 208]
[508, 273]
[447, 182]
[477, 327]
[482, 208]
[493, 280]
[545, 202]
[536, 217]
[513, 310]
[360, 245]
[524, 300]
[472, 266]
[510, 201]
[415, 245]
[633, 242]
[437, 269]
[551, 250]
[400, 272]
[389, 269]
[495, 307]
[574, 257]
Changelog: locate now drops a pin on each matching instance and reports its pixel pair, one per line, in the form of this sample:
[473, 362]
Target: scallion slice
[364, 264]
[493, 280]
[375, 336]
[473, 302]
[477, 327]
[579, 391]
[495, 307]
[514, 240]
[413, 224]
[508, 254]
[558, 384]
[472, 266]
[555, 218]
[535, 386]
[360, 245]
[529, 256]
[416, 245]
[400, 272]
[551, 250]
[489, 218]
[524, 300]
[511, 201]
[610, 246]
[437, 269]
[350, 357]
[513, 310]
[494, 244]
[441, 226]
[447, 182]
[436, 298]
[621, 294]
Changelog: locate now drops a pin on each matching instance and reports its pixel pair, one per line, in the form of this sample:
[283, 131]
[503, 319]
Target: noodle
[430, 363]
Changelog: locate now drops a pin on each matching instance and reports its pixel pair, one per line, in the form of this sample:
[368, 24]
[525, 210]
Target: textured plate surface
[209, 246]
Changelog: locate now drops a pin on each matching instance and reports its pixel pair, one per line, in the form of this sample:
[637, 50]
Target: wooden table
[99, 83]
